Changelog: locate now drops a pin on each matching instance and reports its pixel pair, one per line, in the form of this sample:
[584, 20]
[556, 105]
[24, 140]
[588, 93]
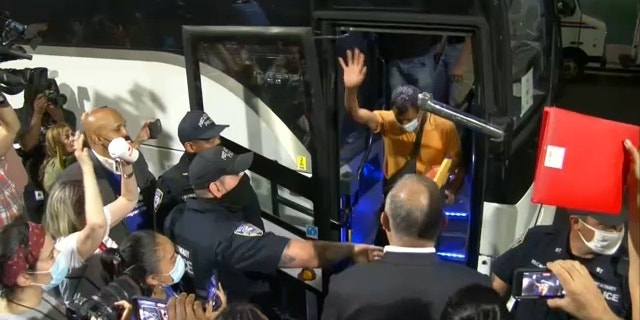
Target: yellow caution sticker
[301, 163]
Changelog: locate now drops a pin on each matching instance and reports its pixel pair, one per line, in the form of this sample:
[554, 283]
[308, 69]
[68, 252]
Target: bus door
[273, 72]
[496, 99]
[404, 43]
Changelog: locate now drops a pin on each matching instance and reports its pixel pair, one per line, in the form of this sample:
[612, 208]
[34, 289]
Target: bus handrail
[295, 206]
[427, 103]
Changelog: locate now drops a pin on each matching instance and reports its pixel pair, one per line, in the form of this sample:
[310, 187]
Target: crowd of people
[95, 228]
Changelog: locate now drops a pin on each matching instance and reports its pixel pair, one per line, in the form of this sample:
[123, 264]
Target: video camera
[101, 306]
[14, 81]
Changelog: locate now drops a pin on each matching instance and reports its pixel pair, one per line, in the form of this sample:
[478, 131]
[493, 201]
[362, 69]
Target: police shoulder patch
[248, 230]
[157, 199]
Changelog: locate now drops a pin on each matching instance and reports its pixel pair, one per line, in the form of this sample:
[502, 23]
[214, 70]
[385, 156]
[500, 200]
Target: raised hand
[80, 152]
[354, 70]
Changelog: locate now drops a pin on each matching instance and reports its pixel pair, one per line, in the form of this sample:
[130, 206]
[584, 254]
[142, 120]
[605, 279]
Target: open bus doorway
[430, 61]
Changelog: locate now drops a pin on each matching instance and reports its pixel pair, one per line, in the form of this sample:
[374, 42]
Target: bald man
[101, 126]
[409, 282]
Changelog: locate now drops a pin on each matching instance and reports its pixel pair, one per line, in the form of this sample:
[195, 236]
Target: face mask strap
[598, 231]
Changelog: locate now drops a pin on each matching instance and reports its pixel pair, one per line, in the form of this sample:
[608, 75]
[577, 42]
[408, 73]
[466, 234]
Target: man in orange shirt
[400, 128]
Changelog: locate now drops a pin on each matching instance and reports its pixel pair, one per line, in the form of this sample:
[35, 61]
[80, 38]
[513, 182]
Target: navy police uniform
[216, 241]
[173, 186]
[543, 244]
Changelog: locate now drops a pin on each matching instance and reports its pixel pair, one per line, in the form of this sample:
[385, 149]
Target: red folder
[582, 163]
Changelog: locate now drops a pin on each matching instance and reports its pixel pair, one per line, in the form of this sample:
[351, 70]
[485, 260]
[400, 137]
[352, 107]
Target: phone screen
[538, 284]
[150, 309]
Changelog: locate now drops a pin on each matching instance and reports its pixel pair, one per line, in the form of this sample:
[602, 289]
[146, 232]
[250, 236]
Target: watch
[127, 175]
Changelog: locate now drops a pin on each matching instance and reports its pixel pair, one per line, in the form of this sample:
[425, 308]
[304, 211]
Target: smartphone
[155, 129]
[212, 293]
[536, 284]
[149, 309]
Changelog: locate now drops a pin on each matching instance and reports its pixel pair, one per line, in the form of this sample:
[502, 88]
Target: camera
[55, 98]
[14, 81]
[101, 306]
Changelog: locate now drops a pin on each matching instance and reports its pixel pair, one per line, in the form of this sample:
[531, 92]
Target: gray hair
[415, 208]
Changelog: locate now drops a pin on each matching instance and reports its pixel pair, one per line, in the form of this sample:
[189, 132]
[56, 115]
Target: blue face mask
[58, 271]
[178, 270]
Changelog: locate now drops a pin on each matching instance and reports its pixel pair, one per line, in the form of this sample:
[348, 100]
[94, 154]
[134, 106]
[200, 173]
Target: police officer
[216, 242]
[197, 132]
[594, 240]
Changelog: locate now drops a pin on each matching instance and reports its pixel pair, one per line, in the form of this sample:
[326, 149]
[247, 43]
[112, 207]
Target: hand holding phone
[215, 294]
[149, 309]
[535, 284]
[155, 129]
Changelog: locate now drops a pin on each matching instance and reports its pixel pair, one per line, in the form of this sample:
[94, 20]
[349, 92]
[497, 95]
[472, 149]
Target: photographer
[42, 109]
[9, 126]
[145, 265]
[155, 257]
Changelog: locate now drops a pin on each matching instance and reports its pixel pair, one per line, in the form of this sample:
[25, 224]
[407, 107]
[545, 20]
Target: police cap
[197, 125]
[212, 164]
[612, 220]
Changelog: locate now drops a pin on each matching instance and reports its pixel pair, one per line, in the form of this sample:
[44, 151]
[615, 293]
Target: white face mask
[411, 126]
[603, 242]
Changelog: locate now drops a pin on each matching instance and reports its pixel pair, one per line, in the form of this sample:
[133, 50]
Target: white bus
[268, 69]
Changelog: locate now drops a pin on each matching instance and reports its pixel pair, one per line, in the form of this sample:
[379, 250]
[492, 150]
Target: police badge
[157, 199]
[248, 230]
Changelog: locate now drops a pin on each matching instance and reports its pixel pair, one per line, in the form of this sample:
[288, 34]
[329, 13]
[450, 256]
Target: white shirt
[70, 243]
[108, 163]
[409, 250]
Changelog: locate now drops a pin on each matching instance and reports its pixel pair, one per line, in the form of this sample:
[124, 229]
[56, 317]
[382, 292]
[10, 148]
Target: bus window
[282, 203]
[148, 25]
[270, 75]
[531, 52]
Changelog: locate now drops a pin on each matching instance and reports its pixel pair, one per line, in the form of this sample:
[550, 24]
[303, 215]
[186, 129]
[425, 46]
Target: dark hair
[241, 311]
[475, 302]
[138, 250]
[403, 98]
[12, 236]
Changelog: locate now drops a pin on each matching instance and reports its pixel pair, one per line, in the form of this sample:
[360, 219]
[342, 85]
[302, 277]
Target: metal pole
[427, 103]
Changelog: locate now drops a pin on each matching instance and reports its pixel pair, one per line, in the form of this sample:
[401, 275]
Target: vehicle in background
[585, 45]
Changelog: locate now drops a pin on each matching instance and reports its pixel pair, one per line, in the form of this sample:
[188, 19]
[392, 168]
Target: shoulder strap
[418, 143]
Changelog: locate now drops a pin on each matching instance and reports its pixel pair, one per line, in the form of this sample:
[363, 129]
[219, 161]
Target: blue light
[457, 214]
[370, 171]
[453, 256]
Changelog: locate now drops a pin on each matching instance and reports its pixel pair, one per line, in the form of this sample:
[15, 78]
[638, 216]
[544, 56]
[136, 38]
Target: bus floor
[614, 97]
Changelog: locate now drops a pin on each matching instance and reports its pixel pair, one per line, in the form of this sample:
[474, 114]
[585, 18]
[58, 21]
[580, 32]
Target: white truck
[584, 42]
